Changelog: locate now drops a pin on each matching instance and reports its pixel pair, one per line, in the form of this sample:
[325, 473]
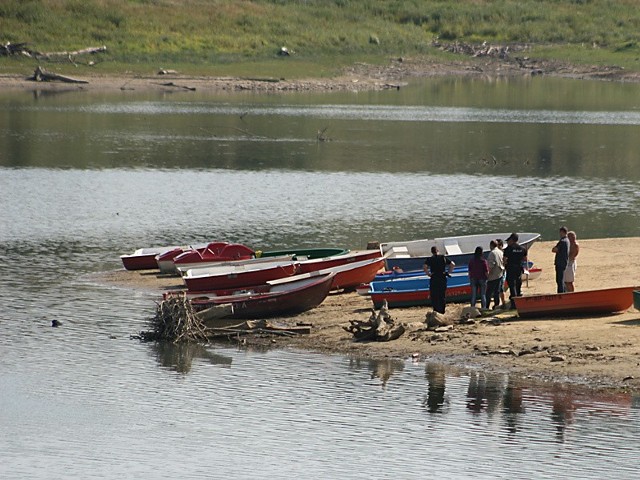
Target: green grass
[218, 36]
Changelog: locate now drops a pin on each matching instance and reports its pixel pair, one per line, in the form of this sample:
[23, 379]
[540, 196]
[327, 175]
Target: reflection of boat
[602, 301]
[636, 299]
[410, 255]
[413, 292]
[286, 296]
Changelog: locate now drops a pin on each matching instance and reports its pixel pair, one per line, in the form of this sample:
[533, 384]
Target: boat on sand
[410, 255]
[413, 292]
[586, 302]
[282, 297]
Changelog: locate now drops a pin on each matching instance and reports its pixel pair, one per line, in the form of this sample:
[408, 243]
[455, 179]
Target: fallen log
[41, 75]
[171, 84]
[379, 327]
[70, 55]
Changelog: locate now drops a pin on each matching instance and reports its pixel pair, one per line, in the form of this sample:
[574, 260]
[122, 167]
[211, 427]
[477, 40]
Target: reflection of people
[570, 270]
[561, 250]
[496, 270]
[478, 273]
[515, 255]
[562, 411]
[435, 395]
[512, 405]
[437, 267]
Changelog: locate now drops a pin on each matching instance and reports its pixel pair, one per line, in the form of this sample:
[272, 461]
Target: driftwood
[41, 75]
[482, 50]
[177, 321]
[171, 84]
[9, 49]
[69, 55]
[379, 327]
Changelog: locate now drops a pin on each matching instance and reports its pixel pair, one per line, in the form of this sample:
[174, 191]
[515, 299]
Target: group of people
[566, 251]
[503, 264]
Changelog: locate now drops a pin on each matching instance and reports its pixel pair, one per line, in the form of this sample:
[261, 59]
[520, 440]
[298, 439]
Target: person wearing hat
[514, 256]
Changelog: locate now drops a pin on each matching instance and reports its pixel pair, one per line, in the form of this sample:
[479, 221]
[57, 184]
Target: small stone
[558, 358]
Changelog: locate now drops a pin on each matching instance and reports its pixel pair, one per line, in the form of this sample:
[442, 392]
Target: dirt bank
[357, 77]
[602, 351]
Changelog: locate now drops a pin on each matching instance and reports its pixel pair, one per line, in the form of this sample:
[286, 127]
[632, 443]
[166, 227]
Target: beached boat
[282, 297]
[350, 275]
[411, 255]
[412, 292]
[364, 288]
[316, 264]
[236, 276]
[303, 253]
[212, 253]
[145, 258]
[636, 299]
[258, 256]
[587, 302]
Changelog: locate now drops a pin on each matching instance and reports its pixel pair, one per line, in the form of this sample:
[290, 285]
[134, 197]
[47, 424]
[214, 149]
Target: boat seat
[451, 247]
[400, 252]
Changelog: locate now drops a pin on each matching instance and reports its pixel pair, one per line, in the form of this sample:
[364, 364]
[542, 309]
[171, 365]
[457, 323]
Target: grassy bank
[217, 36]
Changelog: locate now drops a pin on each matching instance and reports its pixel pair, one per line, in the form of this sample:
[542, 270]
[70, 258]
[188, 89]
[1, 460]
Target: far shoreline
[356, 77]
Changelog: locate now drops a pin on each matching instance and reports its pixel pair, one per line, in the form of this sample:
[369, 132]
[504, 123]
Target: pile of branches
[482, 50]
[176, 320]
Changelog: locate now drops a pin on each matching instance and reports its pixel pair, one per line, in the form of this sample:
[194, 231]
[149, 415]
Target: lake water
[86, 177]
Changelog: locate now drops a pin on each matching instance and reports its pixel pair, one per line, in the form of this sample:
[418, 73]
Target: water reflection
[512, 405]
[485, 392]
[180, 357]
[436, 400]
[382, 369]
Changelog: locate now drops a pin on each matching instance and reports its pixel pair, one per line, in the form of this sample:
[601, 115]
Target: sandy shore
[601, 351]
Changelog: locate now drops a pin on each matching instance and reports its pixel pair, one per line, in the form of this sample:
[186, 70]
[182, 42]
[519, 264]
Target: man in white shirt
[496, 270]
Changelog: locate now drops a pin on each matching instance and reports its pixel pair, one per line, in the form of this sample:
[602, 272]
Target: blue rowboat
[414, 291]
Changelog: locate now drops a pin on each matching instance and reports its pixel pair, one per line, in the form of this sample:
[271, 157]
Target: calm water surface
[85, 178]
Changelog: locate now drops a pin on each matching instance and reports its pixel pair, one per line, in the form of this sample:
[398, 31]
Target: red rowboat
[236, 276]
[286, 296]
[145, 258]
[602, 301]
[317, 264]
[350, 275]
[212, 252]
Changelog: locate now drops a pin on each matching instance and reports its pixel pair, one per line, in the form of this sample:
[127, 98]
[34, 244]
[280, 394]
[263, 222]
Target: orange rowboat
[606, 300]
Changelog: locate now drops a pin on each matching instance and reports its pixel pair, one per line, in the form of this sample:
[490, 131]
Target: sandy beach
[595, 351]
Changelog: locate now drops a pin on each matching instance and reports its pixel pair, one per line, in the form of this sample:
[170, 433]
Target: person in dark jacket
[514, 256]
[562, 259]
[438, 268]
